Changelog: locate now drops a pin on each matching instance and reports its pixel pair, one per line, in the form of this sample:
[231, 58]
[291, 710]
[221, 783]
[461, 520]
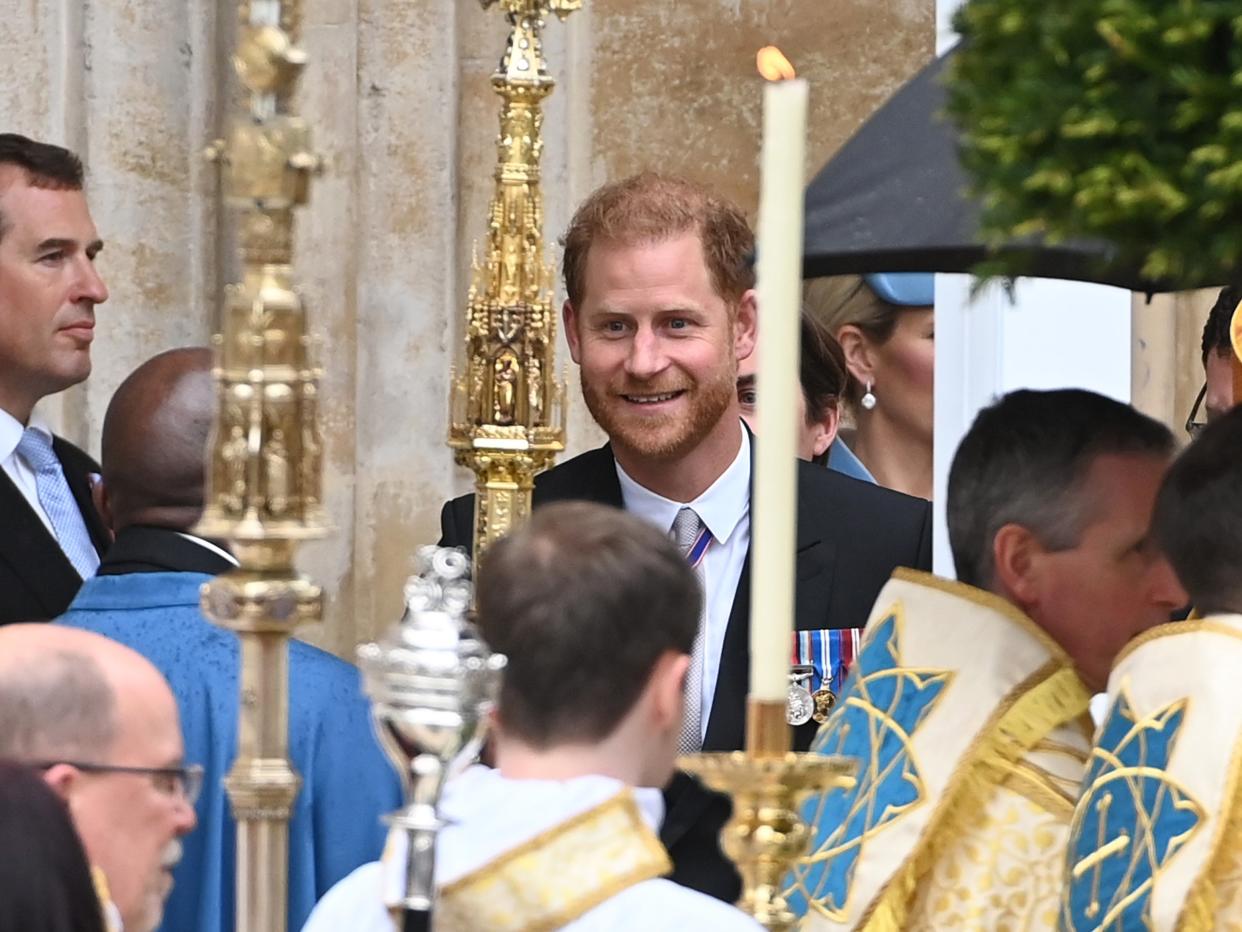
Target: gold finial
[507, 419]
[264, 480]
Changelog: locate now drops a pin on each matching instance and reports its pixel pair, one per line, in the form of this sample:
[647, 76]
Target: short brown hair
[583, 599]
[651, 207]
[823, 372]
[45, 165]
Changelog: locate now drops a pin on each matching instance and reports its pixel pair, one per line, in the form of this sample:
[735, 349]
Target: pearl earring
[868, 398]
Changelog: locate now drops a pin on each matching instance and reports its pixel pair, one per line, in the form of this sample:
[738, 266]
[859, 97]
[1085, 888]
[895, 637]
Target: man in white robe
[1156, 842]
[597, 613]
[967, 707]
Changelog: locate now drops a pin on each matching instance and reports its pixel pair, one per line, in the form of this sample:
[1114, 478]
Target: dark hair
[583, 599]
[822, 369]
[1216, 331]
[1024, 461]
[45, 165]
[45, 878]
[650, 207]
[1196, 520]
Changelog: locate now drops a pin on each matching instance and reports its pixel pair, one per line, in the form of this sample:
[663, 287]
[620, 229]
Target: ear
[668, 687]
[63, 779]
[745, 325]
[569, 317]
[103, 503]
[826, 430]
[859, 358]
[1017, 564]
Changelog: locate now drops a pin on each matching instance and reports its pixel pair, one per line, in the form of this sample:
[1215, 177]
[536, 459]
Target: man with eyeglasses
[101, 723]
[1216, 395]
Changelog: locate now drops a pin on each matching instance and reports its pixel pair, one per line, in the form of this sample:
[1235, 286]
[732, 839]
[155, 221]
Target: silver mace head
[432, 683]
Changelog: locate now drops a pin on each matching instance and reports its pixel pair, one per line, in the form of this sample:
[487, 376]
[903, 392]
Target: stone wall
[399, 98]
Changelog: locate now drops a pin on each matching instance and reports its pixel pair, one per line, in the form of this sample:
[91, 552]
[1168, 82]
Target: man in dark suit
[50, 535]
[660, 307]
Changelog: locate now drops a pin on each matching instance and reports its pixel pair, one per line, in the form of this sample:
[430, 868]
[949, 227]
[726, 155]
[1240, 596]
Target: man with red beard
[52, 537]
[660, 308]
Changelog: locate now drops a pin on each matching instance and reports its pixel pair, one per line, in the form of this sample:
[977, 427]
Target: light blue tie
[58, 502]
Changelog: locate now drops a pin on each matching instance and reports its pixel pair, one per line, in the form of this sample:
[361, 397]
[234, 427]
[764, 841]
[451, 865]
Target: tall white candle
[774, 511]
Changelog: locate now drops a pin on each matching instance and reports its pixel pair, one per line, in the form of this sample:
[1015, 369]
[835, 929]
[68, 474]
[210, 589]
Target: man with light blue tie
[51, 537]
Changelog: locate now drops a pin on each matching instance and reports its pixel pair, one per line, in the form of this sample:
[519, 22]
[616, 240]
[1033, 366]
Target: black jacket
[851, 536]
[37, 581]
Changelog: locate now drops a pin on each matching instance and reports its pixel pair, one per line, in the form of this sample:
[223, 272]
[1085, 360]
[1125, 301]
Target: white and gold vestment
[1157, 835]
[971, 731]
[581, 855]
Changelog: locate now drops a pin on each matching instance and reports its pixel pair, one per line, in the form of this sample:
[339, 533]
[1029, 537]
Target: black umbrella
[894, 199]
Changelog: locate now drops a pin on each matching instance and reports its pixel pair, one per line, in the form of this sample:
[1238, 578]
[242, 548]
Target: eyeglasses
[185, 782]
[1193, 426]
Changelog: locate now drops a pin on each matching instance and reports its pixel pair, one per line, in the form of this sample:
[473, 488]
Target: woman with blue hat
[884, 323]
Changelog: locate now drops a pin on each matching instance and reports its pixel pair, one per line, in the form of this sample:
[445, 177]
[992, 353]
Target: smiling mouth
[653, 399]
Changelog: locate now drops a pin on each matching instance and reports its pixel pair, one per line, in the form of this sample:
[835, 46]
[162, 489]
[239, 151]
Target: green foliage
[1113, 119]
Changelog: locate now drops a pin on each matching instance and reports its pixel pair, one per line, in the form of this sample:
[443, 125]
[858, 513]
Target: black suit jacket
[37, 581]
[141, 548]
[851, 536]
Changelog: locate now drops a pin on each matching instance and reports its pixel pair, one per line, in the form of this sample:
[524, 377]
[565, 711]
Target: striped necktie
[58, 502]
[692, 539]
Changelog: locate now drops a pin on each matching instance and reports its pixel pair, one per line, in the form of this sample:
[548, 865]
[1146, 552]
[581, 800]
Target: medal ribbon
[831, 653]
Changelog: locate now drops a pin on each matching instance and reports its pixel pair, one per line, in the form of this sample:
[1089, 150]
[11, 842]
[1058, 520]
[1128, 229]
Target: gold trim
[1036, 785]
[1047, 699]
[1210, 625]
[647, 860]
[1199, 911]
[988, 600]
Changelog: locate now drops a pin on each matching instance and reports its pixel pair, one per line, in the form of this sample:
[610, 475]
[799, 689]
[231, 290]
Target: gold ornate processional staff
[507, 417]
[264, 475]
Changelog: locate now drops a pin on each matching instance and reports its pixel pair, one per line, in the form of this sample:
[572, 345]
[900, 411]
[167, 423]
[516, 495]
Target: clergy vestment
[347, 782]
[1157, 836]
[970, 731]
[580, 855]
[851, 535]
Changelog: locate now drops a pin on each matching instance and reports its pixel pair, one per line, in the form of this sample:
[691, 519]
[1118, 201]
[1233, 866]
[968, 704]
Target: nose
[186, 818]
[1166, 589]
[646, 357]
[90, 284]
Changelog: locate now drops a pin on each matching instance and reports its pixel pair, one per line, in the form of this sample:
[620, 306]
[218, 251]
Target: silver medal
[799, 706]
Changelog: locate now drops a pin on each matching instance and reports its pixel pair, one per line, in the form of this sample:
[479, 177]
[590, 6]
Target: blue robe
[347, 782]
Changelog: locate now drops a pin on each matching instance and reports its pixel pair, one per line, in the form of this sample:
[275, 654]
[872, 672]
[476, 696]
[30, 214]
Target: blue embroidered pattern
[1131, 820]
[882, 706]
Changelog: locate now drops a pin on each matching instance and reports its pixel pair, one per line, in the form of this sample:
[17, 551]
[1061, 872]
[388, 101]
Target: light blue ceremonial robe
[347, 782]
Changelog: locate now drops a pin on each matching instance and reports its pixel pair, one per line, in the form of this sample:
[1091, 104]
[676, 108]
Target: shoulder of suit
[74, 457]
[819, 485]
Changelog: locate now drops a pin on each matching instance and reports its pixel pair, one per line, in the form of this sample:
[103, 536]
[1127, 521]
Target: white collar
[11, 430]
[721, 507]
[208, 545]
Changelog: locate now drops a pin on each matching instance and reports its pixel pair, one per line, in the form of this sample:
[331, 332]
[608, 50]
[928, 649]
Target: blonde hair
[848, 300]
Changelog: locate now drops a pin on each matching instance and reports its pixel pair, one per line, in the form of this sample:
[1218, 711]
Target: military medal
[824, 699]
[799, 705]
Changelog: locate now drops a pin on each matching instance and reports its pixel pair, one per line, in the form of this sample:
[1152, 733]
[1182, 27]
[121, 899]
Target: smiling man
[52, 537]
[660, 308]
[101, 724]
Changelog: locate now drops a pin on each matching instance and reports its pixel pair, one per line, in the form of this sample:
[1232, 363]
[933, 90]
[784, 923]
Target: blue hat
[905, 289]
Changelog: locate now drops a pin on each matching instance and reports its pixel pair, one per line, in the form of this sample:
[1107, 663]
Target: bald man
[146, 595]
[101, 724]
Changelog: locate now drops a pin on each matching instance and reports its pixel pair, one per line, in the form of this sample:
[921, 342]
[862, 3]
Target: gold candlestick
[766, 836]
[264, 475]
[507, 419]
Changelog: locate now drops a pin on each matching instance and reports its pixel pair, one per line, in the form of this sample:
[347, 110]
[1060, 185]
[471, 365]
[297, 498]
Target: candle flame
[773, 64]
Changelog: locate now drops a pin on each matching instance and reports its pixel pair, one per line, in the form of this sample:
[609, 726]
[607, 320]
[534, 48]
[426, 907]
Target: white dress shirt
[11, 430]
[725, 509]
